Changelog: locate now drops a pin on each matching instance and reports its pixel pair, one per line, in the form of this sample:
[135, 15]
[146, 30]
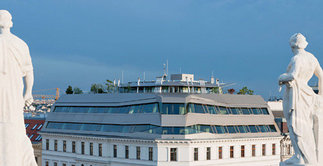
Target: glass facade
[132, 109]
[165, 108]
[213, 109]
[153, 129]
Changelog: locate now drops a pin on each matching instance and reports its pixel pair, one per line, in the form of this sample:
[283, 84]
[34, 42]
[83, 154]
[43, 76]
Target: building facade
[160, 129]
[33, 126]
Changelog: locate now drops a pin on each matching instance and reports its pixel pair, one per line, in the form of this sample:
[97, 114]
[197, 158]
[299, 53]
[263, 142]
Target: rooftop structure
[33, 126]
[178, 83]
[160, 129]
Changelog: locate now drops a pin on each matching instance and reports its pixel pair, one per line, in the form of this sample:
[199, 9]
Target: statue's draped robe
[15, 146]
[301, 104]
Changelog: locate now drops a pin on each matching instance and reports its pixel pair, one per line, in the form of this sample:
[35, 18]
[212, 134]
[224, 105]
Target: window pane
[272, 128]
[253, 129]
[262, 128]
[124, 110]
[264, 111]
[255, 111]
[112, 128]
[79, 109]
[242, 129]
[72, 126]
[245, 111]
[231, 129]
[205, 128]
[149, 108]
[61, 109]
[113, 110]
[53, 125]
[235, 111]
[220, 129]
[211, 109]
[223, 110]
[166, 108]
[191, 108]
[178, 109]
[91, 127]
[173, 130]
[199, 108]
[141, 128]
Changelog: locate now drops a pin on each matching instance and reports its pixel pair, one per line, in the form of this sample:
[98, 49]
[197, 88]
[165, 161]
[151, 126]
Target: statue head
[298, 41]
[5, 19]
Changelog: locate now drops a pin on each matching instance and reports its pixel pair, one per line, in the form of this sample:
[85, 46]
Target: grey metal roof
[118, 99]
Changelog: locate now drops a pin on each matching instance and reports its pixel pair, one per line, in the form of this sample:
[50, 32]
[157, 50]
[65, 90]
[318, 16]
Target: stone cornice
[160, 141]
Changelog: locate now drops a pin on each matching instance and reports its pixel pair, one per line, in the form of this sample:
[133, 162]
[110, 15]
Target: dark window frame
[208, 153]
[196, 154]
[173, 154]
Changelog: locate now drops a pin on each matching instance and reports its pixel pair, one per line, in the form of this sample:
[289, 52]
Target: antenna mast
[122, 77]
[167, 66]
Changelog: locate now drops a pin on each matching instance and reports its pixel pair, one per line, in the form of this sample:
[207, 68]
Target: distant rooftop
[178, 83]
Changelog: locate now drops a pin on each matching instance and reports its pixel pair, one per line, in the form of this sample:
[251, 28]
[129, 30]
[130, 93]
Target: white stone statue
[302, 107]
[15, 64]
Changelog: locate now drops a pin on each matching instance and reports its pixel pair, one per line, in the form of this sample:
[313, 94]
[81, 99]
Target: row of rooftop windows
[153, 129]
[166, 108]
[35, 127]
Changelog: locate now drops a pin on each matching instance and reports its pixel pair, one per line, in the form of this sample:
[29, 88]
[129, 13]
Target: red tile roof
[32, 128]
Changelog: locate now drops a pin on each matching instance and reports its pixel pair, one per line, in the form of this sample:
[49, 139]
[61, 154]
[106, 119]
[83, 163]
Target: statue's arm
[292, 72]
[29, 82]
[28, 77]
[319, 74]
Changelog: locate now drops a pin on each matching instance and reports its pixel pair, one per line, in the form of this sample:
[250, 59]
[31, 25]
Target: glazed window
[245, 111]
[126, 153]
[264, 149]
[242, 151]
[273, 149]
[91, 148]
[100, 150]
[138, 152]
[253, 150]
[82, 148]
[150, 153]
[231, 151]
[55, 145]
[47, 144]
[115, 151]
[64, 146]
[73, 146]
[208, 153]
[223, 110]
[178, 109]
[173, 154]
[220, 152]
[196, 154]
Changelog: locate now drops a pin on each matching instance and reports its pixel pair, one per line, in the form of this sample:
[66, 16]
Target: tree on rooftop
[69, 90]
[77, 90]
[97, 88]
[245, 91]
[110, 86]
[231, 91]
[217, 90]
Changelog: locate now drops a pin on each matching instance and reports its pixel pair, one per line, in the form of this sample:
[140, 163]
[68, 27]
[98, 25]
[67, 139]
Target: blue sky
[79, 42]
